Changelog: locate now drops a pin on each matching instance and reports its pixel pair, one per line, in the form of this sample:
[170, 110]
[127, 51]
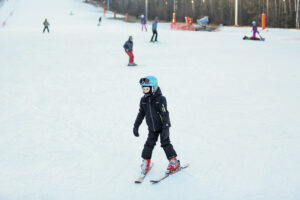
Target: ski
[136, 66]
[142, 176]
[155, 42]
[132, 65]
[167, 175]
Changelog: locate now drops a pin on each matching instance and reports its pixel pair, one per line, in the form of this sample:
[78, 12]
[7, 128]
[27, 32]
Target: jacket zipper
[151, 115]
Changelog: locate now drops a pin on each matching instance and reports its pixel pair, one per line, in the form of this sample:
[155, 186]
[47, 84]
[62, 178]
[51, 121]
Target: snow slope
[68, 103]
[7, 9]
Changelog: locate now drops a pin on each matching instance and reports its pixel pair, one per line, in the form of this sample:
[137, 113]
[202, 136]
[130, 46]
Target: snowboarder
[254, 30]
[153, 106]
[154, 30]
[128, 46]
[143, 22]
[99, 21]
[46, 25]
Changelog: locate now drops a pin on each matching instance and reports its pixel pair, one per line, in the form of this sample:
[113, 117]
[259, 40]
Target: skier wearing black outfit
[99, 21]
[153, 106]
[46, 25]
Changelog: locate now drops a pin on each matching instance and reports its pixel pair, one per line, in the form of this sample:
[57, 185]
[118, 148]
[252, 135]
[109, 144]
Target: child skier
[153, 106]
[46, 25]
[128, 46]
[154, 30]
[254, 30]
[143, 22]
[253, 37]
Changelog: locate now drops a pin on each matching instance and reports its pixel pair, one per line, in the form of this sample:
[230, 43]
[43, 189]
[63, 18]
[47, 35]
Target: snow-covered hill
[68, 103]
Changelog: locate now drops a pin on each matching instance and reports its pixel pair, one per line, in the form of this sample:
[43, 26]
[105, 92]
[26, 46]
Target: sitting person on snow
[254, 30]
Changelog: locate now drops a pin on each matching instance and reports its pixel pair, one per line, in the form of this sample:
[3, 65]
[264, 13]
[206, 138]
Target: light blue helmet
[150, 81]
[253, 22]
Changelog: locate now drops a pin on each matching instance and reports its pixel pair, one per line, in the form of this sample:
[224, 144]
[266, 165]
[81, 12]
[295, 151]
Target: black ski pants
[46, 27]
[154, 34]
[165, 144]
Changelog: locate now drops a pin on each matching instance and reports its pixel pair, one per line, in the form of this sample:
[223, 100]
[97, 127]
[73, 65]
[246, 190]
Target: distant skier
[128, 46]
[254, 30]
[143, 22]
[153, 106]
[46, 25]
[99, 21]
[154, 30]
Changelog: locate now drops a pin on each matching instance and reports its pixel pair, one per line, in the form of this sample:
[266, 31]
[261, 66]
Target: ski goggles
[144, 80]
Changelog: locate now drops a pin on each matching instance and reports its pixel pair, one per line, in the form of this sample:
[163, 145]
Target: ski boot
[132, 64]
[145, 166]
[174, 165]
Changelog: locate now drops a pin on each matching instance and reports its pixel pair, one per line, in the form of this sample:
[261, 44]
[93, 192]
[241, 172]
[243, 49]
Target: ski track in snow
[68, 103]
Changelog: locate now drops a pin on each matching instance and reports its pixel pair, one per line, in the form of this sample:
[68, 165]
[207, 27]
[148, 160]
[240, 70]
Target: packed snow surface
[68, 103]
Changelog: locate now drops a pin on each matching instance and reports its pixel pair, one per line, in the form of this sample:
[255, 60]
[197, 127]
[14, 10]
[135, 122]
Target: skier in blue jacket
[154, 30]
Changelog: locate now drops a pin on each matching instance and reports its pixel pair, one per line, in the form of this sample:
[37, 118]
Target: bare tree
[280, 13]
[297, 14]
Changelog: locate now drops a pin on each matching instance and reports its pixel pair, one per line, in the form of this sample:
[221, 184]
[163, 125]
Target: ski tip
[137, 182]
[153, 181]
[185, 166]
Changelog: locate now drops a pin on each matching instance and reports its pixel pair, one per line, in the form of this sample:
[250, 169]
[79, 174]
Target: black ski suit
[154, 108]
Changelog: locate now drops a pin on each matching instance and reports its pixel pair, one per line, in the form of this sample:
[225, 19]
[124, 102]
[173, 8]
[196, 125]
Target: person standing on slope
[143, 22]
[128, 46]
[154, 30]
[99, 21]
[46, 25]
[153, 106]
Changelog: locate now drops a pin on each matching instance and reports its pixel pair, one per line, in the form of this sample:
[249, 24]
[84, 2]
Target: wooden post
[104, 11]
[115, 14]
[126, 17]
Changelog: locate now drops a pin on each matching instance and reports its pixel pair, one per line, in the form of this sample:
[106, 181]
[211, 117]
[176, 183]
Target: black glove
[136, 131]
[165, 133]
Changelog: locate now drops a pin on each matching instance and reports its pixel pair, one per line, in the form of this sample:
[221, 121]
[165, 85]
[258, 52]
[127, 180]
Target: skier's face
[146, 90]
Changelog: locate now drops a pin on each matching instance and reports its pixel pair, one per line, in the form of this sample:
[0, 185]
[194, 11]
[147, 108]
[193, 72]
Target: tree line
[279, 13]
